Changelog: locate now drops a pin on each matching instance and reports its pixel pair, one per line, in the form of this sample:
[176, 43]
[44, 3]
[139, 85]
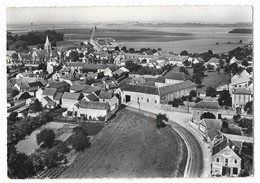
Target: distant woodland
[242, 30]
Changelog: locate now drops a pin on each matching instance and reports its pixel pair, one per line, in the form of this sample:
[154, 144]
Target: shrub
[80, 141]
[159, 120]
[47, 137]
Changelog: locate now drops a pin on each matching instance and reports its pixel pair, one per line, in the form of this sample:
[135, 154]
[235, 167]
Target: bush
[211, 91]
[80, 141]
[193, 93]
[36, 106]
[236, 118]
[47, 137]
[159, 120]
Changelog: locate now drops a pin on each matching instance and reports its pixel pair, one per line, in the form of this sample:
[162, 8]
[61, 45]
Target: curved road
[195, 165]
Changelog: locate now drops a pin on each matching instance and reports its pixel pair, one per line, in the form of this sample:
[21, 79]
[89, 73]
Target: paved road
[195, 165]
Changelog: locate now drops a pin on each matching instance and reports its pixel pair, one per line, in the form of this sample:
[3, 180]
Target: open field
[214, 79]
[131, 146]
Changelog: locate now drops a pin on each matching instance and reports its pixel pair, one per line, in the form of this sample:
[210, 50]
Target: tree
[19, 165]
[198, 100]
[46, 137]
[51, 157]
[159, 120]
[236, 118]
[210, 67]
[36, 106]
[176, 102]
[225, 98]
[80, 141]
[248, 124]
[117, 48]
[13, 116]
[193, 93]
[208, 115]
[211, 91]
[218, 70]
[224, 127]
[221, 64]
[245, 63]
[131, 50]
[123, 48]
[14, 92]
[42, 66]
[184, 53]
[184, 70]
[249, 107]
[186, 63]
[7, 70]
[24, 96]
[74, 55]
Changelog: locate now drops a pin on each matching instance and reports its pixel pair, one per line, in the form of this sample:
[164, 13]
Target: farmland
[131, 146]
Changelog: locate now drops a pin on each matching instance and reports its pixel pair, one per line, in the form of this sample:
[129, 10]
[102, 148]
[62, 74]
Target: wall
[92, 112]
[154, 100]
[67, 103]
[231, 158]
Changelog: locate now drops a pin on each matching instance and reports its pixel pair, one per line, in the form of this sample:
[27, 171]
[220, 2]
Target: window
[148, 100]
[217, 159]
[226, 162]
[235, 161]
[155, 101]
[235, 171]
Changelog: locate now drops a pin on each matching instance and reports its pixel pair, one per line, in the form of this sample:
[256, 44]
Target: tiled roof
[89, 89]
[212, 123]
[177, 76]
[160, 79]
[113, 67]
[206, 105]
[92, 97]
[223, 144]
[94, 66]
[24, 86]
[105, 95]
[49, 91]
[58, 84]
[49, 101]
[75, 64]
[77, 87]
[141, 89]
[93, 105]
[176, 87]
[71, 96]
[57, 96]
[213, 133]
[242, 91]
[37, 83]
[213, 60]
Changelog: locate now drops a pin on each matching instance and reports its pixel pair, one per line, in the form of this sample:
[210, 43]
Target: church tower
[47, 45]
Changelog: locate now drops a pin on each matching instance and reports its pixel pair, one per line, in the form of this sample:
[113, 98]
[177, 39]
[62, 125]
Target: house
[226, 160]
[105, 96]
[91, 97]
[24, 74]
[210, 129]
[60, 86]
[9, 57]
[76, 87]
[69, 78]
[89, 110]
[160, 81]
[113, 102]
[141, 95]
[68, 99]
[120, 71]
[50, 92]
[176, 77]
[75, 66]
[213, 62]
[57, 98]
[48, 103]
[90, 89]
[93, 68]
[178, 60]
[177, 90]
[149, 94]
[50, 67]
[240, 80]
[240, 97]
[109, 70]
[205, 107]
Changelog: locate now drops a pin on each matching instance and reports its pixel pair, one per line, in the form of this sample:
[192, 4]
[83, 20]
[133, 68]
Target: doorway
[127, 98]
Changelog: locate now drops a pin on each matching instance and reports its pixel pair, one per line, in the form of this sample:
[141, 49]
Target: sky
[183, 14]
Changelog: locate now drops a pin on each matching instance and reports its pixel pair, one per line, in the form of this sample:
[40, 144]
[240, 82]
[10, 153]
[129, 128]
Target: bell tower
[47, 45]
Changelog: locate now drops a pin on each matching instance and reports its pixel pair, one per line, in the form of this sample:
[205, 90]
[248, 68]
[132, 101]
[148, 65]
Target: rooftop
[242, 91]
[141, 89]
[105, 95]
[206, 105]
[93, 105]
[71, 96]
[177, 76]
[58, 84]
[176, 87]
[49, 91]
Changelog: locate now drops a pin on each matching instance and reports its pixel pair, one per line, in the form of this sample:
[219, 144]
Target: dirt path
[131, 146]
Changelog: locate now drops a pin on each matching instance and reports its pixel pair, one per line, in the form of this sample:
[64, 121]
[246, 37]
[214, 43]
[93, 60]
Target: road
[195, 164]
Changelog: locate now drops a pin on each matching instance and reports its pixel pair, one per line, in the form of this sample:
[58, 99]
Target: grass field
[214, 79]
[131, 146]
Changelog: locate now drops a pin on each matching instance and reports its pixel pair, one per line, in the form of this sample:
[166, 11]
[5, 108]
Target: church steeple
[47, 45]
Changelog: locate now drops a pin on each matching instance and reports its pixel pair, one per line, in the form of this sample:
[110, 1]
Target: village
[85, 86]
